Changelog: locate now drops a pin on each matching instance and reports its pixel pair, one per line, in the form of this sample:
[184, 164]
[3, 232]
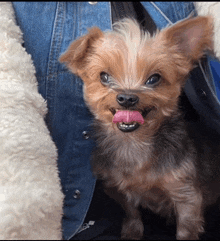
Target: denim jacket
[49, 28]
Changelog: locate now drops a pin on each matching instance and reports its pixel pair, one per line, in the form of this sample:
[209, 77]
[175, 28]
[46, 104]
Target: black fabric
[203, 101]
[121, 10]
[109, 216]
[144, 18]
[133, 10]
[106, 213]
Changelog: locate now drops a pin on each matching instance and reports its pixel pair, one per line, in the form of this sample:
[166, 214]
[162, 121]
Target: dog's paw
[132, 229]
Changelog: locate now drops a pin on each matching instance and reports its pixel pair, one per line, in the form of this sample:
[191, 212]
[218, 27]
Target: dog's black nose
[127, 100]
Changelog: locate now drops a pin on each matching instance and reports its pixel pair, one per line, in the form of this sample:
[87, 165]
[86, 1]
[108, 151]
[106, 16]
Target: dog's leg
[189, 216]
[132, 227]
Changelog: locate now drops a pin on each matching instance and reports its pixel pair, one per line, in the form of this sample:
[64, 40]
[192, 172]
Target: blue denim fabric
[165, 13]
[49, 28]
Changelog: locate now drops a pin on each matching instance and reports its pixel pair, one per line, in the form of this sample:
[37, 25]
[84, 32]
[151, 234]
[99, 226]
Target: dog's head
[132, 80]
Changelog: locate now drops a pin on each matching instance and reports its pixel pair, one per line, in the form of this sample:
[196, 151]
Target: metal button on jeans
[77, 194]
[85, 135]
[92, 3]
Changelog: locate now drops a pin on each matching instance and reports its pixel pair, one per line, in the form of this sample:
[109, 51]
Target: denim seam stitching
[56, 44]
[162, 13]
[53, 57]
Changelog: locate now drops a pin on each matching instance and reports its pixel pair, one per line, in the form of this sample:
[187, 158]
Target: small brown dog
[146, 153]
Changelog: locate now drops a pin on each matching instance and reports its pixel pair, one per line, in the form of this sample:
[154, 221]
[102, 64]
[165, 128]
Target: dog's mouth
[127, 127]
[129, 120]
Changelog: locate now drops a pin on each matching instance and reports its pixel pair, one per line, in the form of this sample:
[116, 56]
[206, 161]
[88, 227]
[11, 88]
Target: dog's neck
[135, 148]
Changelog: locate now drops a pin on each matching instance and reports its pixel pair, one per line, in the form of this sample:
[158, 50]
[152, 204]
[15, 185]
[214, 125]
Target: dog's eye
[104, 78]
[153, 80]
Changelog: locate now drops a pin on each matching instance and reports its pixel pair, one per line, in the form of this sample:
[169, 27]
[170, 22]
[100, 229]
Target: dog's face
[133, 81]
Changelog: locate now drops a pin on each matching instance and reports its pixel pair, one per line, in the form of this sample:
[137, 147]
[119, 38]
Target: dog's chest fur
[127, 177]
[140, 169]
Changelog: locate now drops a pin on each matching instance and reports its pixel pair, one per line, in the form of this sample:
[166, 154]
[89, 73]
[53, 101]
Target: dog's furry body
[181, 166]
[164, 164]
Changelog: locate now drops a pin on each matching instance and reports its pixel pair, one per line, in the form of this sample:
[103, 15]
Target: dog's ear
[192, 37]
[76, 55]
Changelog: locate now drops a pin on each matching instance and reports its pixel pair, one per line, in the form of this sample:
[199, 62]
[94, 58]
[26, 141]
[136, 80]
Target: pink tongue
[128, 116]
